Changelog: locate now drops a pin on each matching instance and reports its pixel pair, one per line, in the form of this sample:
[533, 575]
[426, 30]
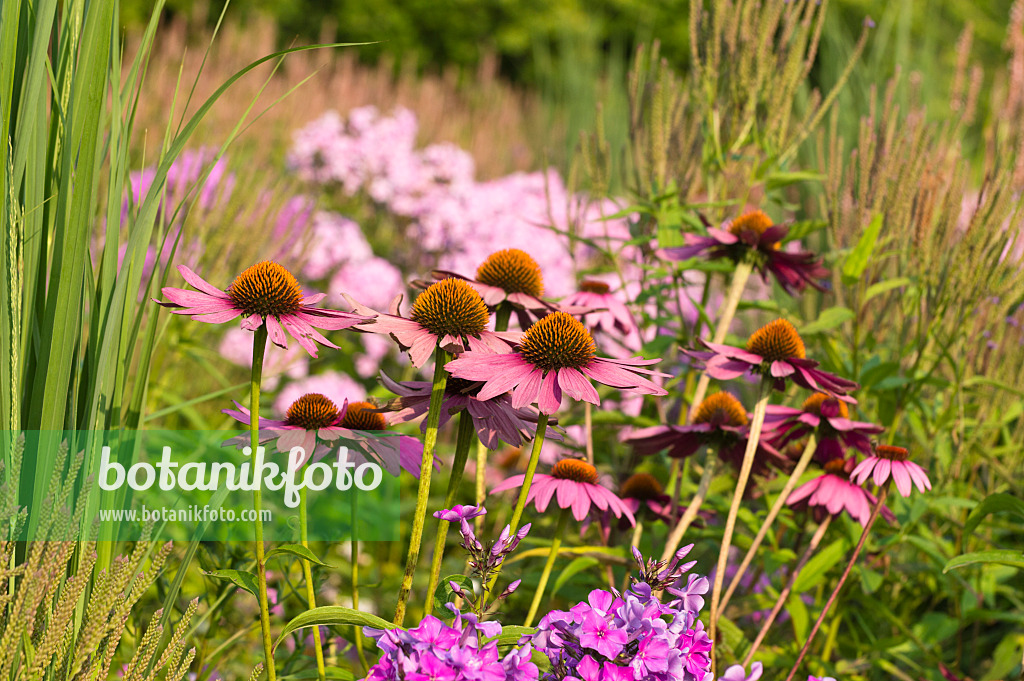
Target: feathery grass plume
[64, 617]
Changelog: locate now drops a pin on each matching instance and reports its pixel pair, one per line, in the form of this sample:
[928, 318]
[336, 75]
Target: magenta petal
[510, 483]
[198, 282]
[581, 503]
[781, 369]
[863, 470]
[725, 369]
[218, 317]
[550, 399]
[544, 488]
[528, 390]
[577, 386]
[252, 322]
[882, 470]
[276, 333]
[902, 478]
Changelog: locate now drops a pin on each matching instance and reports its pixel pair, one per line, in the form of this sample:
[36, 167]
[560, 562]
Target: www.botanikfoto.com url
[190, 514]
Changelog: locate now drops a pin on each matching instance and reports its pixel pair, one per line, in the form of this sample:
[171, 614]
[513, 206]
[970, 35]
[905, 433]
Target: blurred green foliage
[434, 34]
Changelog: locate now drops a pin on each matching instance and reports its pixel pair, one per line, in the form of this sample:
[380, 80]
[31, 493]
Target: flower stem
[753, 438]
[691, 511]
[481, 482]
[358, 634]
[588, 428]
[524, 491]
[556, 543]
[426, 468]
[466, 436]
[501, 316]
[801, 466]
[307, 574]
[732, 300]
[784, 596]
[259, 346]
[842, 580]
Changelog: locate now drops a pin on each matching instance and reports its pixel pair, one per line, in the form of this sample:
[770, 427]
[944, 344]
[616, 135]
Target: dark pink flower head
[828, 418]
[495, 420]
[834, 492]
[892, 461]
[316, 424]
[266, 293]
[754, 238]
[509, 275]
[609, 313]
[776, 351]
[449, 314]
[720, 423]
[573, 483]
[556, 354]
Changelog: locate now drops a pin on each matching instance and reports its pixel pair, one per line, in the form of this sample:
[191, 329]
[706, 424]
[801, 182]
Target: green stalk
[842, 580]
[467, 433]
[801, 466]
[423, 493]
[741, 484]
[307, 574]
[355, 581]
[739, 281]
[481, 482]
[556, 543]
[501, 316]
[259, 346]
[524, 491]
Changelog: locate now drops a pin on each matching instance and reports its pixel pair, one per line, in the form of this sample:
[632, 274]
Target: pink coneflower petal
[543, 489]
[217, 317]
[782, 369]
[528, 390]
[550, 398]
[617, 377]
[313, 298]
[919, 477]
[199, 283]
[252, 322]
[902, 478]
[580, 503]
[882, 470]
[577, 386]
[276, 333]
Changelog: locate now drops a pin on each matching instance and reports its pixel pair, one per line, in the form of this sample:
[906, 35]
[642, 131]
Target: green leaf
[857, 261]
[801, 228]
[819, 565]
[444, 592]
[782, 179]
[332, 616]
[829, 319]
[297, 550]
[993, 503]
[883, 286]
[510, 635]
[1000, 557]
[240, 578]
[798, 614]
[572, 569]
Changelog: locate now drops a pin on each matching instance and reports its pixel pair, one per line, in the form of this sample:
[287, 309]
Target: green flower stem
[556, 543]
[842, 580]
[741, 484]
[358, 630]
[501, 316]
[692, 509]
[481, 482]
[801, 466]
[307, 574]
[524, 491]
[467, 433]
[426, 468]
[784, 596]
[732, 300]
[259, 346]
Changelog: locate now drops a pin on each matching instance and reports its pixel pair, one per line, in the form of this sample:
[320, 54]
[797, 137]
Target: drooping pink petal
[276, 333]
[781, 369]
[581, 501]
[252, 322]
[528, 390]
[514, 482]
[577, 386]
[882, 470]
[199, 283]
[217, 317]
[550, 399]
[902, 478]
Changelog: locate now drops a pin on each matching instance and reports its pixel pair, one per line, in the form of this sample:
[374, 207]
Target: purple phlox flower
[691, 596]
[460, 512]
